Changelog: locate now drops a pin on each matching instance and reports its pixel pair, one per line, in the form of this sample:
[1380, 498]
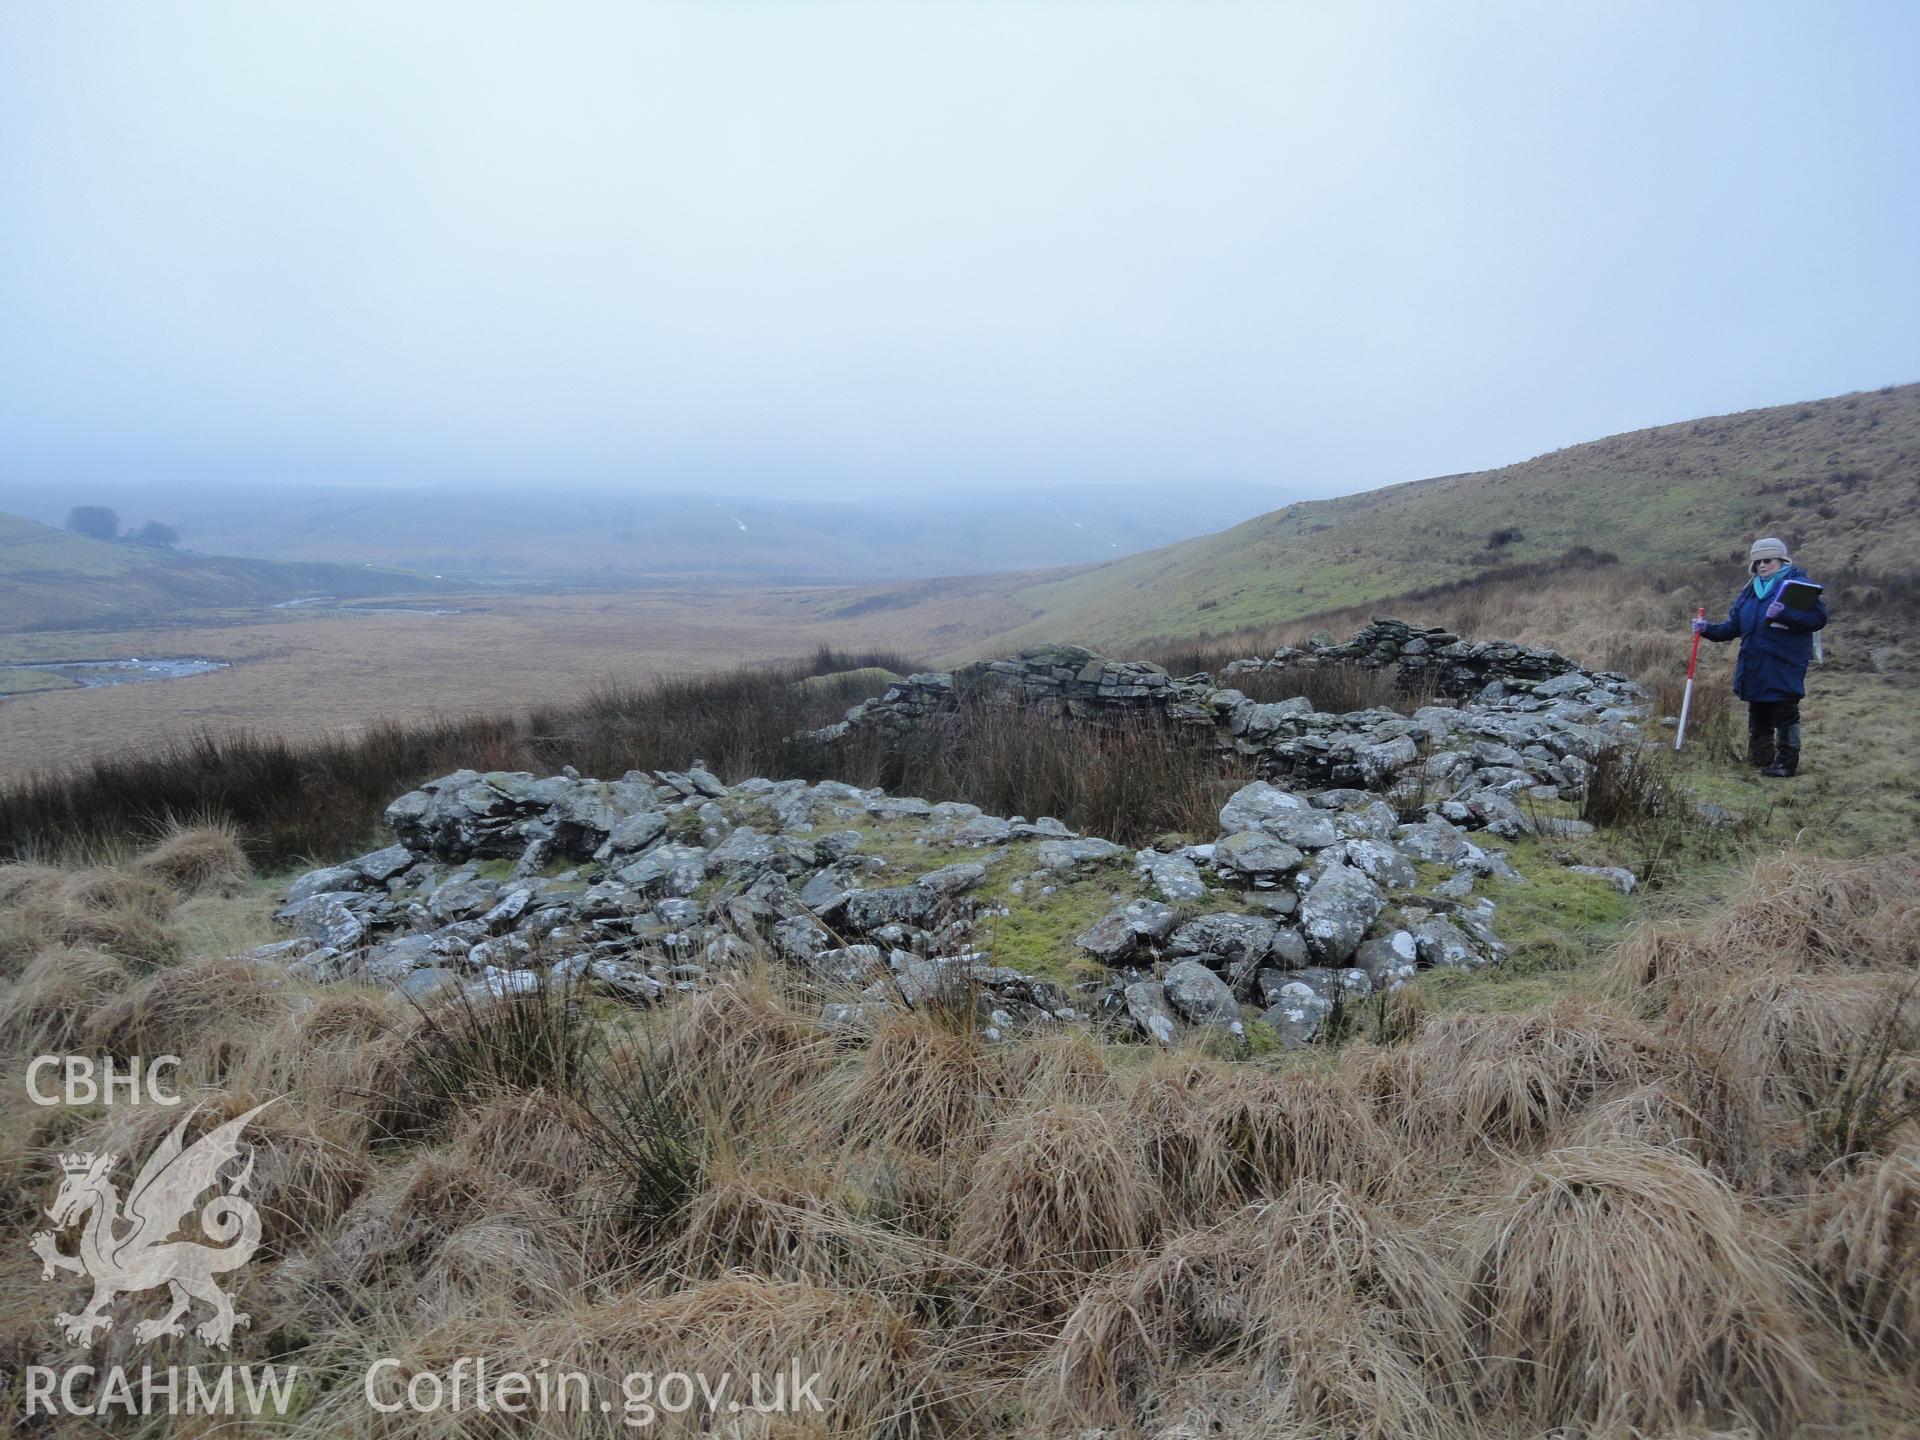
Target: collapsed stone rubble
[1310, 895]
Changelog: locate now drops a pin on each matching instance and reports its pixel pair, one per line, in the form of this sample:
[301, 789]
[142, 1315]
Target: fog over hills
[604, 536]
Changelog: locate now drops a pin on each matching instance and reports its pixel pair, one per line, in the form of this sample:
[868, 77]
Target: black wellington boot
[1785, 766]
[1760, 749]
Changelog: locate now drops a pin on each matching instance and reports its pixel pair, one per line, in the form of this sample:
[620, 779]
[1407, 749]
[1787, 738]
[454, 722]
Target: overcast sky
[840, 249]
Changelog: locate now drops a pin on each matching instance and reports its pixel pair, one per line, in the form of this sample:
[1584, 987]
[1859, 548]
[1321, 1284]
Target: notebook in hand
[1800, 594]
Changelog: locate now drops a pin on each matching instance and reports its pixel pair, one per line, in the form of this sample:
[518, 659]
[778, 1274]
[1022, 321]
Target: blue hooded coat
[1773, 653]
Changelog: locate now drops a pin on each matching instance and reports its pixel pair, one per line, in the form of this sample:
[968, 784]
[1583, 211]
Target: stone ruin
[1545, 713]
[1428, 658]
[1310, 894]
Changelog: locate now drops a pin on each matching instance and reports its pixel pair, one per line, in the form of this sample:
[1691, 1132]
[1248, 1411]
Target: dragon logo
[124, 1251]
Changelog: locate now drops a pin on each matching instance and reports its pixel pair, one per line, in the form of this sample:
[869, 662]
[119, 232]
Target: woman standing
[1776, 642]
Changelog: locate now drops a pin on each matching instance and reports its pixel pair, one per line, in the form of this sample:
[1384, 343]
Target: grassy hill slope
[1838, 478]
[51, 579]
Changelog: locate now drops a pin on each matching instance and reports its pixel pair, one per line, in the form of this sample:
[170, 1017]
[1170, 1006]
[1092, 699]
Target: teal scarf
[1762, 587]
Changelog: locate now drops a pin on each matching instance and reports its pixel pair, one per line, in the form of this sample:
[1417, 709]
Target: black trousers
[1778, 720]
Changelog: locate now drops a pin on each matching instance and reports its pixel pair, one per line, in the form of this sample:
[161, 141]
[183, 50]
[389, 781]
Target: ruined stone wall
[1512, 697]
[1424, 657]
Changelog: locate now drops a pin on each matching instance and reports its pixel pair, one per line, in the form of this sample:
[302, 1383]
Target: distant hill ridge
[506, 534]
[50, 579]
[1839, 479]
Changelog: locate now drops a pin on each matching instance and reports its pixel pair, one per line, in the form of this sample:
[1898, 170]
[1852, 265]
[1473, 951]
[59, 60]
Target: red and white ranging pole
[1686, 698]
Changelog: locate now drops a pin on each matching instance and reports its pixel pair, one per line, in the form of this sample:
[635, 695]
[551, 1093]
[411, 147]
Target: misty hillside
[51, 579]
[580, 536]
[1839, 479]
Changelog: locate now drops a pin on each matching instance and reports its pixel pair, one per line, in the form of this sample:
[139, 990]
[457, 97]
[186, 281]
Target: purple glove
[1699, 624]
[1774, 610]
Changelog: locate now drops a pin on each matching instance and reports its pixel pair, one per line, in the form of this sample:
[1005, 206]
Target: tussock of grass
[197, 860]
[23, 882]
[1861, 1237]
[55, 997]
[1343, 1317]
[463, 1046]
[1509, 1079]
[921, 1085]
[1697, 1109]
[1277, 1129]
[331, 1050]
[445, 1235]
[791, 1223]
[117, 911]
[1625, 1285]
[742, 1049]
[1795, 912]
[1061, 1192]
[539, 1139]
[209, 1011]
[1067, 1066]
[1794, 1036]
[1189, 1160]
[300, 1180]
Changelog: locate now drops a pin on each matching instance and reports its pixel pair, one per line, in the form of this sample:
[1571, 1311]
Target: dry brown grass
[791, 1222]
[1063, 1191]
[1332, 1312]
[300, 1180]
[204, 859]
[1217, 1136]
[22, 882]
[118, 911]
[330, 1048]
[1698, 1109]
[55, 998]
[884, 1374]
[209, 1011]
[1626, 1285]
[1509, 1079]
[1860, 1234]
[1794, 1036]
[922, 1085]
[1068, 1066]
[742, 1049]
[1192, 1166]
[541, 1140]
[1794, 911]
[440, 1236]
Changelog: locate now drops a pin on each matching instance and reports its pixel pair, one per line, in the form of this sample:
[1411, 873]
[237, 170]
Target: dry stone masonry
[1310, 894]
[1428, 658]
[1533, 717]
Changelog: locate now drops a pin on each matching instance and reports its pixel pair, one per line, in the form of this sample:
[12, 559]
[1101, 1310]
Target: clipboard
[1801, 594]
